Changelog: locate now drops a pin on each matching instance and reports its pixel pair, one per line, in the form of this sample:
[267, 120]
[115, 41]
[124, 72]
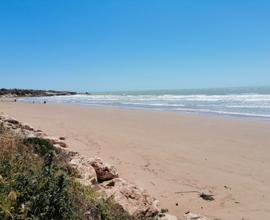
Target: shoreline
[189, 111]
[166, 152]
[181, 113]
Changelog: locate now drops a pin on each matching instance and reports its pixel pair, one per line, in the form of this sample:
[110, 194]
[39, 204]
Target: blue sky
[99, 45]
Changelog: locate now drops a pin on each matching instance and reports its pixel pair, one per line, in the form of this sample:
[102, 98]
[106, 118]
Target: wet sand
[167, 152]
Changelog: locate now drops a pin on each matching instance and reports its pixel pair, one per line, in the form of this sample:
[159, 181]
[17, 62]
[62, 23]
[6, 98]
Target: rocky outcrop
[96, 173]
[131, 198]
[31, 92]
[104, 178]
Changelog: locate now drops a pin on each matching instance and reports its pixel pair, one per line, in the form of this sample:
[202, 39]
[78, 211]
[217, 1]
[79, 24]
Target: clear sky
[97, 45]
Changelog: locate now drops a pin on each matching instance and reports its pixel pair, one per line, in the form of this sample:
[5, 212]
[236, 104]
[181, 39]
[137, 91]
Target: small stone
[62, 144]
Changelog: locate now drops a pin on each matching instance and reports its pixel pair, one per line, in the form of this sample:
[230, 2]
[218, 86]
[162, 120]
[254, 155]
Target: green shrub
[41, 146]
[34, 185]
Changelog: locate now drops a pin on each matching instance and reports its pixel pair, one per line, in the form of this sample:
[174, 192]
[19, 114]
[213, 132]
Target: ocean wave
[256, 105]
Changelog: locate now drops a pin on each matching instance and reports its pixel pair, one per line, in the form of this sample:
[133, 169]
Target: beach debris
[131, 198]
[192, 216]
[206, 196]
[104, 171]
[203, 195]
[167, 216]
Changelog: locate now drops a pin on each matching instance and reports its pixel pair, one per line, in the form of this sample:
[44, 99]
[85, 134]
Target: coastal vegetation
[36, 183]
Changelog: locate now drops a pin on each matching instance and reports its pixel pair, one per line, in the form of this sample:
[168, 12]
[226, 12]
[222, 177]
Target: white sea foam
[251, 105]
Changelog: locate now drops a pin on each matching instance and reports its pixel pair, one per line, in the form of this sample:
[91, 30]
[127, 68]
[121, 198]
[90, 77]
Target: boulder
[87, 174]
[131, 198]
[103, 170]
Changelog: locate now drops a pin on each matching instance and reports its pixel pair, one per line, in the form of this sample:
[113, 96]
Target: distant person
[44, 102]
[15, 100]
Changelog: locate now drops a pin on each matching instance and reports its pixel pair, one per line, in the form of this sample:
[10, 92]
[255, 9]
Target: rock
[12, 121]
[103, 170]
[29, 135]
[192, 216]
[54, 140]
[27, 127]
[57, 146]
[85, 170]
[167, 216]
[62, 138]
[132, 199]
[62, 144]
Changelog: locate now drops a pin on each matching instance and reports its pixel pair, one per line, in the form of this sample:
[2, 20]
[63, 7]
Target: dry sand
[167, 152]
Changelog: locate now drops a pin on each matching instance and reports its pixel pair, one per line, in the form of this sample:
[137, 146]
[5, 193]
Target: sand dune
[167, 152]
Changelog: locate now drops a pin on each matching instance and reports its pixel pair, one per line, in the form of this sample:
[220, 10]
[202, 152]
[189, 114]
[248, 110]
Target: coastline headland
[10, 93]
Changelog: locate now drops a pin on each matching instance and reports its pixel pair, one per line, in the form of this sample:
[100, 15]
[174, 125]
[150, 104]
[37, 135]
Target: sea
[233, 102]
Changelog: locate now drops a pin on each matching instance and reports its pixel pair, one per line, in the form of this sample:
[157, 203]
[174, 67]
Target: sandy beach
[168, 153]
